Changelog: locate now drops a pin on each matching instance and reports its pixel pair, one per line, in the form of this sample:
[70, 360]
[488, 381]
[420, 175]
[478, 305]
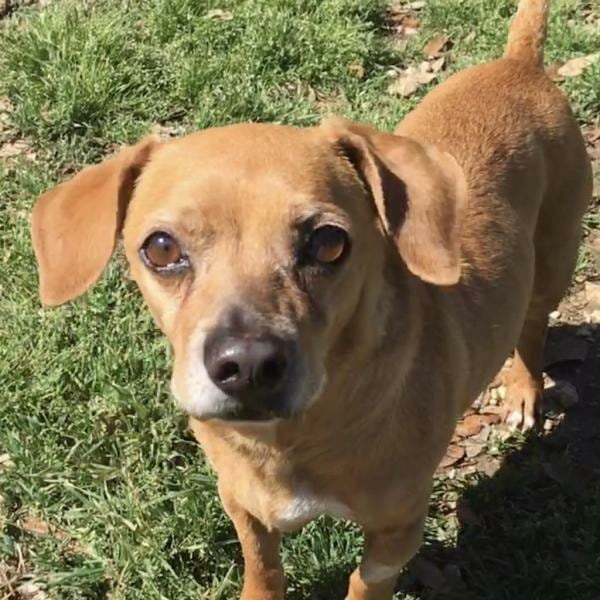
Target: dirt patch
[9, 6]
[12, 145]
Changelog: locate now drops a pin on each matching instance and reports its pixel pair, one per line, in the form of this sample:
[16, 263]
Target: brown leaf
[576, 66]
[436, 46]
[453, 455]
[410, 22]
[357, 71]
[34, 525]
[471, 425]
[412, 78]
[436, 65]
[403, 24]
[473, 449]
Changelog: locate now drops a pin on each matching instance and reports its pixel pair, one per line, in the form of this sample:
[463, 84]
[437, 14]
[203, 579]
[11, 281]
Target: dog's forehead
[250, 172]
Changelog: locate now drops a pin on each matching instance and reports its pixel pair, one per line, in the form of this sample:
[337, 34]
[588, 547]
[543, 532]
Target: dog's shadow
[531, 531]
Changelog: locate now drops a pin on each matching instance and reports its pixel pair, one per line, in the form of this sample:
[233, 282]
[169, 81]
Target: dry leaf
[473, 449]
[220, 14]
[32, 524]
[436, 65]
[31, 591]
[6, 462]
[453, 455]
[469, 426]
[357, 71]
[410, 22]
[576, 66]
[409, 82]
[488, 465]
[412, 78]
[436, 46]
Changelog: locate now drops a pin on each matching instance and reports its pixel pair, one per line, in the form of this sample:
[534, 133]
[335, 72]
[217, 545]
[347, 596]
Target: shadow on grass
[532, 530]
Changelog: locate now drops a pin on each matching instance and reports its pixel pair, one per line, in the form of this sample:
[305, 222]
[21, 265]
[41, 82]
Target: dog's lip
[239, 413]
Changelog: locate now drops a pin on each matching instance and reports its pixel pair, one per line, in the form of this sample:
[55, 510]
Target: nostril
[227, 372]
[271, 371]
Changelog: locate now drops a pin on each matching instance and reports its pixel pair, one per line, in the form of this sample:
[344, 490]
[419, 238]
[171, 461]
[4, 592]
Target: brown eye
[328, 244]
[162, 252]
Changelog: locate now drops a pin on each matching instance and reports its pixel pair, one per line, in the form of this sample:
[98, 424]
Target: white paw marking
[528, 422]
[514, 419]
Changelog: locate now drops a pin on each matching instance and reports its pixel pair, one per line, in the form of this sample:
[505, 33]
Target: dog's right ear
[418, 192]
[75, 226]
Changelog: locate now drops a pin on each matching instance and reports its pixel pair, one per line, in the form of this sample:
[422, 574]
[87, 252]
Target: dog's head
[256, 247]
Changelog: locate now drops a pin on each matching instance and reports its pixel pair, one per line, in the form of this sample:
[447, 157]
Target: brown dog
[337, 296]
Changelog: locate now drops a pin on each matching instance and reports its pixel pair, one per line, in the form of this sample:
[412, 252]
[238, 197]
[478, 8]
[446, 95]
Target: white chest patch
[305, 506]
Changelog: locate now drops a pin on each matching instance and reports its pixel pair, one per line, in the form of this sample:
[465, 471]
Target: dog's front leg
[263, 572]
[386, 552]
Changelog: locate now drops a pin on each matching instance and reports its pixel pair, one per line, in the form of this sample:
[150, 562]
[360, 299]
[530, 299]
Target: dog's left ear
[419, 194]
[75, 226]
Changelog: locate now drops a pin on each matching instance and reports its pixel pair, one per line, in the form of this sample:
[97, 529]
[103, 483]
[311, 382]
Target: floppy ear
[75, 226]
[418, 191]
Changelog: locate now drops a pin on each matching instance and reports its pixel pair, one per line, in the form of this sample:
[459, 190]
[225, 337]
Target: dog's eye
[327, 244]
[161, 251]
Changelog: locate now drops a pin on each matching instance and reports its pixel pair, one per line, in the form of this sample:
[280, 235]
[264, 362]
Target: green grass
[97, 448]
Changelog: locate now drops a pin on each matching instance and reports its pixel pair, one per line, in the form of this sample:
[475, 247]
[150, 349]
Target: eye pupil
[328, 244]
[162, 250]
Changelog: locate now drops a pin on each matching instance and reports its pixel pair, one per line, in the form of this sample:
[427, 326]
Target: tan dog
[336, 296]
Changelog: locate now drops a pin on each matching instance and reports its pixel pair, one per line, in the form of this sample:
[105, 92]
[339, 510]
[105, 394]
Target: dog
[337, 296]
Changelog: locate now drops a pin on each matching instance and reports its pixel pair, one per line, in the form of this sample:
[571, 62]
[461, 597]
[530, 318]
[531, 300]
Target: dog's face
[250, 245]
[256, 248]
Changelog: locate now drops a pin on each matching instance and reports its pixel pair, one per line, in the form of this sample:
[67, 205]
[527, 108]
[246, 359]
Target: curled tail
[527, 33]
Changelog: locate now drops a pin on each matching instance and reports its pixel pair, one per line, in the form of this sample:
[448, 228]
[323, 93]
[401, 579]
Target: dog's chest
[303, 506]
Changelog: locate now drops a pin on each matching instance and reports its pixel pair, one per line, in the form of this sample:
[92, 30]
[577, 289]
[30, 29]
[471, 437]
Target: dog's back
[529, 179]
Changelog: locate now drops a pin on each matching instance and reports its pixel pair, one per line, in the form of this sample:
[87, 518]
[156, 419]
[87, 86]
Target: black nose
[249, 368]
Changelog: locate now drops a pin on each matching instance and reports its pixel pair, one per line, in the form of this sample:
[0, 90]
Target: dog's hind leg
[557, 238]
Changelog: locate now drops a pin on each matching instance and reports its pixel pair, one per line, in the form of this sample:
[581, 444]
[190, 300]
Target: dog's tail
[527, 33]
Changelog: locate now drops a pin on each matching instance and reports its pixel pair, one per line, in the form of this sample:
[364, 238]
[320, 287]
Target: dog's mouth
[238, 412]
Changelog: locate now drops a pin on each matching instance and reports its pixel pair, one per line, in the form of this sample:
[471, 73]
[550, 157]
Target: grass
[90, 440]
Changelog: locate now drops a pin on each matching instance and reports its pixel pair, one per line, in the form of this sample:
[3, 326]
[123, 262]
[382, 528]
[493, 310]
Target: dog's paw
[521, 406]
